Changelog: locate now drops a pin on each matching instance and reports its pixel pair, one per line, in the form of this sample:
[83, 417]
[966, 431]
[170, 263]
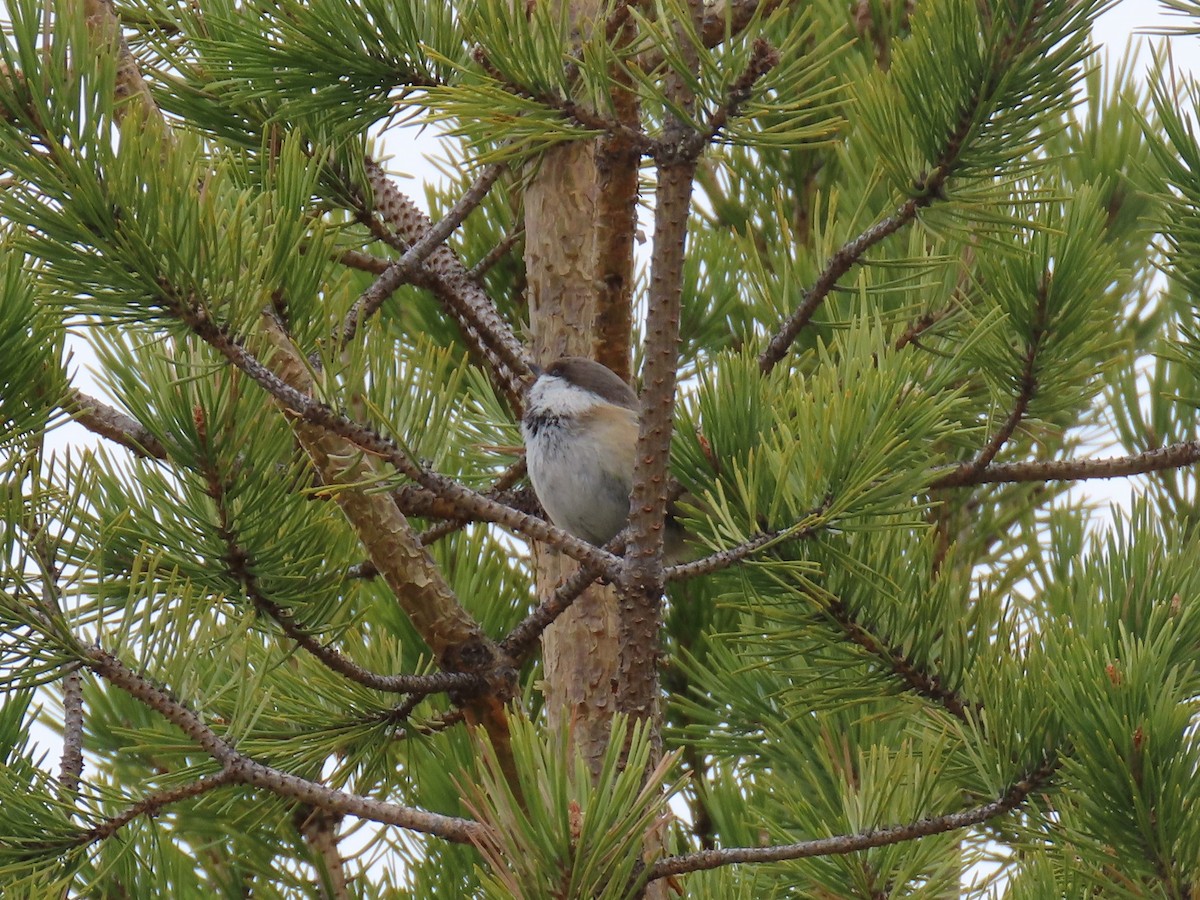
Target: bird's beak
[535, 369]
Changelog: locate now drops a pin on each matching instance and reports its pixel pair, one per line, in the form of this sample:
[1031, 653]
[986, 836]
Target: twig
[244, 770]
[154, 804]
[1173, 456]
[841, 262]
[434, 726]
[364, 262]
[923, 323]
[521, 640]
[724, 559]
[71, 769]
[416, 685]
[917, 679]
[1026, 388]
[402, 269]
[1010, 800]
[576, 112]
[722, 19]
[109, 422]
[493, 256]
[501, 491]
[763, 58]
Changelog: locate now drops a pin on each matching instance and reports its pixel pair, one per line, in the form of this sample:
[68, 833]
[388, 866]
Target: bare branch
[364, 262]
[109, 422]
[402, 269]
[72, 756]
[1173, 456]
[493, 256]
[842, 261]
[242, 769]
[724, 559]
[1010, 800]
[523, 638]
[155, 803]
[486, 331]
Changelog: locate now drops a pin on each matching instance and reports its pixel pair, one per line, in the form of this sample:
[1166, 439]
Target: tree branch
[923, 323]
[493, 256]
[155, 803]
[458, 642]
[916, 678]
[842, 261]
[364, 262]
[471, 503]
[130, 86]
[1026, 388]
[416, 685]
[724, 559]
[400, 271]
[242, 769]
[721, 19]
[1173, 456]
[930, 187]
[241, 569]
[618, 163]
[486, 331]
[641, 584]
[763, 58]
[1010, 800]
[109, 422]
[520, 642]
[579, 114]
[71, 768]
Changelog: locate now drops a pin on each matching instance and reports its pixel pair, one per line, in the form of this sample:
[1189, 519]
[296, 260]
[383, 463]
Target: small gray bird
[580, 429]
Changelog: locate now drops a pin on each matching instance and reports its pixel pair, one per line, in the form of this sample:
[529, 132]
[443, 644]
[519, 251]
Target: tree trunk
[580, 650]
[580, 218]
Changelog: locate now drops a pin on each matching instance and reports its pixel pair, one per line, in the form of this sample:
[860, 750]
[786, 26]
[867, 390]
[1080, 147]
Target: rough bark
[580, 650]
[579, 225]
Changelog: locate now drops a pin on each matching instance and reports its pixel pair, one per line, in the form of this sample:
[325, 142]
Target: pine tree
[301, 623]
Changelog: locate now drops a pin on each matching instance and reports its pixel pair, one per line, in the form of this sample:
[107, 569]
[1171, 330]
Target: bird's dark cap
[596, 378]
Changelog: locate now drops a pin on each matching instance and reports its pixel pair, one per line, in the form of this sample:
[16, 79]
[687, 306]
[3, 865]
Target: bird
[580, 429]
